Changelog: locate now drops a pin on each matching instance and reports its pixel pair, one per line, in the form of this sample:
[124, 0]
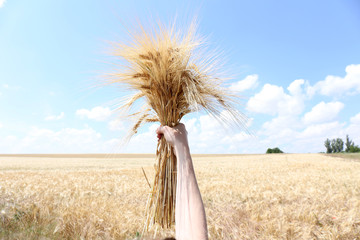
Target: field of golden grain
[286, 196]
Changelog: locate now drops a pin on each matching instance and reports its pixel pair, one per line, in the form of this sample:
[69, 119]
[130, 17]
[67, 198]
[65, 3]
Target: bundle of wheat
[165, 68]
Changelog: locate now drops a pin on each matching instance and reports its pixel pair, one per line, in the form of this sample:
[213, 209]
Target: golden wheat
[165, 69]
[289, 196]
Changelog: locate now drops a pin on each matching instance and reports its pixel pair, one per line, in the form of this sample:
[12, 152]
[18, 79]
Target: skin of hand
[190, 218]
[176, 136]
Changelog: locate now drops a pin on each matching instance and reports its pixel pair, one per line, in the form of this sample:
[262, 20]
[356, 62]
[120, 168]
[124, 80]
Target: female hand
[173, 135]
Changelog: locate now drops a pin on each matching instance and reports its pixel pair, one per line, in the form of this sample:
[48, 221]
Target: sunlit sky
[296, 65]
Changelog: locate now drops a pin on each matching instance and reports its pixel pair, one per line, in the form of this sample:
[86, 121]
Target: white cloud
[312, 138]
[116, 125]
[336, 86]
[292, 136]
[355, 119]
[10, 87]
[66, 140]
[54, 117]
[2, 3]
[115, 145]
[266, 101]
[289, 128]
[294, 133]
[249, 82]
[142, 142]
[322, 130]
[353, 130]
[205, 134]
[278, 132]
[273, 100]
[295, 88]
[280, 125]
[323, 112]
[1, 125]
[8, 143]
[96, 113]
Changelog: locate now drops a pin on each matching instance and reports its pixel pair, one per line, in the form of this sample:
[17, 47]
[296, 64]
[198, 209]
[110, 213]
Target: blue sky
[296, 65]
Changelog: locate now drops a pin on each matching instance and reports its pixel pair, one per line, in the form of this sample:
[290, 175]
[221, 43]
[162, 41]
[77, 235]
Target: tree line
[337, 145]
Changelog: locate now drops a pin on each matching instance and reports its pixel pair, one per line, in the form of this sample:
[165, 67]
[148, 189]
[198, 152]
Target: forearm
[190, 213]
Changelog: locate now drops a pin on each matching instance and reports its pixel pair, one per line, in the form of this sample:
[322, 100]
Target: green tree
[269, 150]
[339, 145]
[328, 146]
[274, 150]
[333, 145]
[348, 144]
[277, 150]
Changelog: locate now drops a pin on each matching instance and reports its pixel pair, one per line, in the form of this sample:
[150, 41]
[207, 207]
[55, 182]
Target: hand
[173, 135]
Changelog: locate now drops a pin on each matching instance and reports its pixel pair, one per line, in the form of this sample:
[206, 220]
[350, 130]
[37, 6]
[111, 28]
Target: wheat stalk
[166, 68]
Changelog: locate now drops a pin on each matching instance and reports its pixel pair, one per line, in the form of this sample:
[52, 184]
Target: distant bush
[274, 150]
[354, 149]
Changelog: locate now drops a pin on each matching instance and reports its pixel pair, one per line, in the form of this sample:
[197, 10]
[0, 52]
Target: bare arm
[190, 219]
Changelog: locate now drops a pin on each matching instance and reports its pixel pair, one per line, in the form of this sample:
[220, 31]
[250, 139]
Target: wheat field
[275, 196]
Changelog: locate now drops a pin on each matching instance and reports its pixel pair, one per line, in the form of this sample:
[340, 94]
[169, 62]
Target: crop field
[274, 196]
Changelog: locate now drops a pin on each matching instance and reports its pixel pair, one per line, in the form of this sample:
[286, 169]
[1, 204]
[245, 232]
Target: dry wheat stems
[165, 68]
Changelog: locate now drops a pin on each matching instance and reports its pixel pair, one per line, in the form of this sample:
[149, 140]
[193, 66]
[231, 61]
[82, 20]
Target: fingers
[163, 129]
[170, 133]
[160, 131]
